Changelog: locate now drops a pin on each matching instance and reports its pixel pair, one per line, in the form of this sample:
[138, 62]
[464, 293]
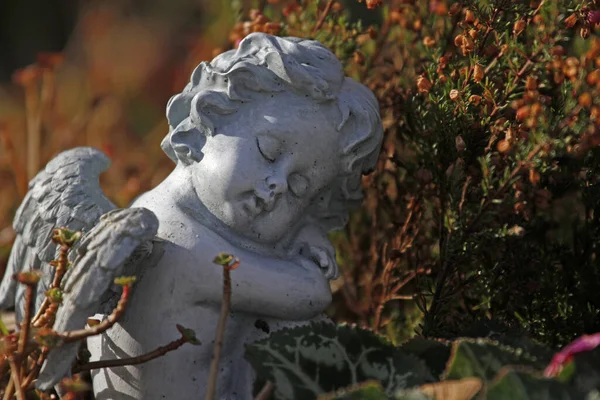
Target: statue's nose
[269, 193]
[276, 184]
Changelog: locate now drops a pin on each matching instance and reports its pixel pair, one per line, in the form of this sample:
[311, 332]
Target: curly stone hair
[265, 64]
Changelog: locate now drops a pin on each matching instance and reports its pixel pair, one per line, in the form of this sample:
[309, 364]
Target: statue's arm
[288, 289]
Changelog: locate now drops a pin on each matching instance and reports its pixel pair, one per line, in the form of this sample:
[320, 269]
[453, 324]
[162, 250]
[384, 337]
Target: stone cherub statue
[270, 141]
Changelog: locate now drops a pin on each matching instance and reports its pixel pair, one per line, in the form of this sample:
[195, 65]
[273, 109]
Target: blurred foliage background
[484, 211]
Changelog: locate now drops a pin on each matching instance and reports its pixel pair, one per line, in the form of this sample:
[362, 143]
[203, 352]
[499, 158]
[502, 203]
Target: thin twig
[61, 267]
[74, 336]
[32, 108]
[25, 324]
[323, 16]
[214, 365]
[158, 352]
[10, 389]
[24, 334]
[502, 189]
[15, 372]
[36, 369]
[265, 392]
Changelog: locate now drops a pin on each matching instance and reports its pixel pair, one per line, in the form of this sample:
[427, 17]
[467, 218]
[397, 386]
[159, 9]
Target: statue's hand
[312, 245]
[324, 257]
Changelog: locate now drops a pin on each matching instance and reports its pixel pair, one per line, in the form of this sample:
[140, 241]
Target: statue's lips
[254, 205]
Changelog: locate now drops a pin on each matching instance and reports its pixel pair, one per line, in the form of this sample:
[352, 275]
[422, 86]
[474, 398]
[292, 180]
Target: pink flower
[594, 17]
[579, 345]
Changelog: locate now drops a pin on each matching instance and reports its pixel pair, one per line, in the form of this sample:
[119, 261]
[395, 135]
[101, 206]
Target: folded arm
[292, 289]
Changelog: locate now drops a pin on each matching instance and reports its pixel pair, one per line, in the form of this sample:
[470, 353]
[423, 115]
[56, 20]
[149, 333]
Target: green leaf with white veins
[319, 358]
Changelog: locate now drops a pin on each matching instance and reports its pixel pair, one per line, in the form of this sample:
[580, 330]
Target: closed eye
[264, 152]
[298, 185]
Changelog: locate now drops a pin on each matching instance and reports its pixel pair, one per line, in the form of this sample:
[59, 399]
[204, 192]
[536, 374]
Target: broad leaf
[319, 358]
[483, 358]
[522, 386]
[462, 389]
[370, 390]
[435, 353]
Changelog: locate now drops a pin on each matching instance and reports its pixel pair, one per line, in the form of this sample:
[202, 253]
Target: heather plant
[483, 207]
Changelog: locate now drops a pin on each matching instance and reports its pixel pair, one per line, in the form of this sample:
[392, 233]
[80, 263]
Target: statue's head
[272, 132]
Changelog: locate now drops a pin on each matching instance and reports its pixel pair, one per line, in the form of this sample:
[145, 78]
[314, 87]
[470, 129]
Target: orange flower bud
[585, 100]
[570, 21]
[536, 109]
[478, 73]
[531, 83]
[534, 176]
[460, 144]
[428, 41]
[469, 17]
[372, 32]
[468, 45]
[475, 99]
[504, 146]
[423, 84]
[454, 94]
[373, 3]
[454, 8]
[519, 26]
[585, 32]
[523, 112]
[458, 40]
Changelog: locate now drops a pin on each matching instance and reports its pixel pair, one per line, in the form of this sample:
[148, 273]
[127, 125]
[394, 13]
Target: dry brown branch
[74, 336]
[15, 373]
[321, 20]
[40, 319]
[10, 389]
[214, 365]
[158, 352]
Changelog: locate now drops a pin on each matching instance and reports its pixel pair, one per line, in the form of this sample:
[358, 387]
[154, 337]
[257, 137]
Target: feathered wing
[67, 194]
[122, 239]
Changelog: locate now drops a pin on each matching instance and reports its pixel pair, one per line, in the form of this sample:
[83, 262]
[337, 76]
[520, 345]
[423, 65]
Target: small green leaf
[55, 295]
[223, 259]
[28, 278]
[369, 390]
[125, 280]
[65, 236]
[189, 335]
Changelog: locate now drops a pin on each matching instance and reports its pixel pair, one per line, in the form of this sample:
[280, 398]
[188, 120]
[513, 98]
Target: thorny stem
[323, 16]
[214, 365]
[73, 336]
[158, 352]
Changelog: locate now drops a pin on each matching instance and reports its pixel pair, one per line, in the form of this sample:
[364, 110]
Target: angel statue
[270, 141]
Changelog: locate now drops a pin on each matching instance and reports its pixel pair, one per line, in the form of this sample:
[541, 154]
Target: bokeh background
[96, 73]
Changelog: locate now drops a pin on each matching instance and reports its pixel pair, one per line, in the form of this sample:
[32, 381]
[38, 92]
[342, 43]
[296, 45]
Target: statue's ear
[187, 142]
